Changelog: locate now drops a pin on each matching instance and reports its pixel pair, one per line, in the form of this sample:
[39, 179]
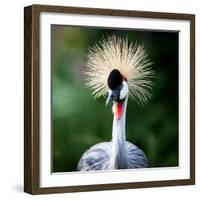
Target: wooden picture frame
[32, 106]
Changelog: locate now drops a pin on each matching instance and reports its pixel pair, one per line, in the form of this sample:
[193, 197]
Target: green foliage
[79, 121]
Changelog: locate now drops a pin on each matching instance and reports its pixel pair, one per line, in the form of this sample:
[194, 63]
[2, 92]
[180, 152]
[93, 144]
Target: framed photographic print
[109, 99]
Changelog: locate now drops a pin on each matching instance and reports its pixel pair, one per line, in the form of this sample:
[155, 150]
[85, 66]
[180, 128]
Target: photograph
[114, 98]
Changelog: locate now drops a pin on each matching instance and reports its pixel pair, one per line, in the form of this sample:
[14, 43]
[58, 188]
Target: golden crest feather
[130, 59]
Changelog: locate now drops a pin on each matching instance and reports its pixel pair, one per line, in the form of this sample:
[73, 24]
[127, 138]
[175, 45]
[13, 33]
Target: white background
[11, 100]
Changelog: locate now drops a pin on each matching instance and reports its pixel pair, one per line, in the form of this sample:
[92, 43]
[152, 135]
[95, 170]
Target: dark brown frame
[32, 106]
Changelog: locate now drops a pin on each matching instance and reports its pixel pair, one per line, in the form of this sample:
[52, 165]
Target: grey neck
[118, 159]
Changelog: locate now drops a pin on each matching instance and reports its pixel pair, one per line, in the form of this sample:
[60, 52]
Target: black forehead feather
[114, 79]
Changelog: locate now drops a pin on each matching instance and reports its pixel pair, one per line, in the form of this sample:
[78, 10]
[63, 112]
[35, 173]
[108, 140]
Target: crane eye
[124, 90]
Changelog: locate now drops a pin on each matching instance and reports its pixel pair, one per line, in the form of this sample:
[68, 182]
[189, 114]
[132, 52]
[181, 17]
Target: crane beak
[113, 97]
[108, 100]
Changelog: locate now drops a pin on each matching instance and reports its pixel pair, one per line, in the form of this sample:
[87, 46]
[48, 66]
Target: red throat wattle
[118, 111]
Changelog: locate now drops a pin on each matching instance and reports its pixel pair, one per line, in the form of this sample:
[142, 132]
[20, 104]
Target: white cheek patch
[124, 90]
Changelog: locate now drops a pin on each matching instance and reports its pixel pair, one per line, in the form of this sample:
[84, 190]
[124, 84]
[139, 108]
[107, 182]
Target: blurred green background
[79, 121]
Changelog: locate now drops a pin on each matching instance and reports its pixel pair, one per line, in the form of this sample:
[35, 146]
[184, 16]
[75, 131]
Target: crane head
[118, 91]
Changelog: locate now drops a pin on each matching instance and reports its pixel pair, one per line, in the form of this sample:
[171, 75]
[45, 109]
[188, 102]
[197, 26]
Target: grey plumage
[98, 156]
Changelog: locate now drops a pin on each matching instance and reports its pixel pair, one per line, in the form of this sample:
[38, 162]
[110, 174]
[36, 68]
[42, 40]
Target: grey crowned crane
[118, 69]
